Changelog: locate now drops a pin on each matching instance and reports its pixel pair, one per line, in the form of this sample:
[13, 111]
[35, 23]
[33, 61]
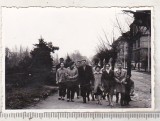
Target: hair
[61, 59]
[71, 63]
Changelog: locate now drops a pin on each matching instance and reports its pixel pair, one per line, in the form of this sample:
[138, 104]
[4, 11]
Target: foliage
[41, 56]
[76, 56]
[19, 98]
[68, 61]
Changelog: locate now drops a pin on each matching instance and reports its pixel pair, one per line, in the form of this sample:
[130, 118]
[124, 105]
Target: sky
[70, 29]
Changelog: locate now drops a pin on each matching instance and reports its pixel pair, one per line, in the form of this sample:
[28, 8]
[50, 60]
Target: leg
[77, 90]
[83, 93]
[93, 99]
[72, 93]
[68, 94]
[88, 91]
[60, 91]
[111, 95]
[63, 91]
[108, 97]
[122, 99]
[117, 97]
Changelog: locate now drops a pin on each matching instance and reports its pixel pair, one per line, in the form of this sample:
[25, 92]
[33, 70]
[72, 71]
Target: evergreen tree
[68, 61]
[41, 55]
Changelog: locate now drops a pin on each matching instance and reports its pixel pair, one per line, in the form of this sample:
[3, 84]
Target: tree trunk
[129, 59]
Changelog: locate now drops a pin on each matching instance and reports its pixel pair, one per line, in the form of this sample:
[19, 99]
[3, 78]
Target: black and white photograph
[78, 58]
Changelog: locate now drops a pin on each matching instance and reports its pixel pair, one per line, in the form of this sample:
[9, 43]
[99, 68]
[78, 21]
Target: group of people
[95, 82]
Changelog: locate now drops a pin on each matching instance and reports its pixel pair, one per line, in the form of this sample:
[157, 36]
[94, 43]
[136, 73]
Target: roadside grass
[23, 92]
[20, 98]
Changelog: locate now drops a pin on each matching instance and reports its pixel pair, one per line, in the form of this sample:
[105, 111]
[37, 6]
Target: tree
[76, 56]
[68, 61]
[41, 55]
[141, 18]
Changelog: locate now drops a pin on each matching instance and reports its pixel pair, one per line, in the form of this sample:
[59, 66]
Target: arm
[91, 75]
[116, 79]
[57, 76]
[76, 75]
[103, 79]
[125, 76]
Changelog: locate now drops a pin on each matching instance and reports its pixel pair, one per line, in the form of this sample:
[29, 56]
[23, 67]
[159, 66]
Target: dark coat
[108, 78]
[85, 76]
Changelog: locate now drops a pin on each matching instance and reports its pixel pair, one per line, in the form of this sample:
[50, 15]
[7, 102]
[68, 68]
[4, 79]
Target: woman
[108, 83]
[71, 81]
[98, 84]
[61, 77]
[120, 78]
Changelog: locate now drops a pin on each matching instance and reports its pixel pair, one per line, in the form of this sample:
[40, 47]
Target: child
[129, 89]
[98, 84]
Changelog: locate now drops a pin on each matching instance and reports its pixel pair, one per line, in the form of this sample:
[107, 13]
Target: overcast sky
[69, 28]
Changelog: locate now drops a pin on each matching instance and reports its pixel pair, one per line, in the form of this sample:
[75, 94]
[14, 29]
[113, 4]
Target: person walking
[61, 76]
[77, 89]
[61, 60]
[86, 78]
[108, 83]
[92, 86]
[98, 89]
[120, 78]
[72, 75]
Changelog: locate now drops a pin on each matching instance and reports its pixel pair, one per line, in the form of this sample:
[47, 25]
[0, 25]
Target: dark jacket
[85, 76]
[108, 78]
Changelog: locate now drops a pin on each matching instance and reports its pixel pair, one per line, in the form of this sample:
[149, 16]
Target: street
[141, 99]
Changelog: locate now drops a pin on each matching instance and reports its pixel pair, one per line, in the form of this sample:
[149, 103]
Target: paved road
[142, 98]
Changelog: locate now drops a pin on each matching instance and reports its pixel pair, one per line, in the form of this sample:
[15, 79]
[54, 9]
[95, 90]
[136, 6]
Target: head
[128, 76]
[78, 63]
[61, 60]
[119, 65]
[83, 62]
[107, 66]
[62, 65]
[98, 68]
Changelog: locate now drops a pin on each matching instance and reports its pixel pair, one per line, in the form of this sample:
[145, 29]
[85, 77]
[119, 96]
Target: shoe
[111, 104]
[59, 98]
[63, 98]
[67, 100]
[100, 103]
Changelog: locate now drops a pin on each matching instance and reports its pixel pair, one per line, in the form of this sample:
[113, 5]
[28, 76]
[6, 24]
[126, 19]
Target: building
[142, 51]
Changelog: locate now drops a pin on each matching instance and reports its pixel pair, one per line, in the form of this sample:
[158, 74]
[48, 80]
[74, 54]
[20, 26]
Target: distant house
[141, 51]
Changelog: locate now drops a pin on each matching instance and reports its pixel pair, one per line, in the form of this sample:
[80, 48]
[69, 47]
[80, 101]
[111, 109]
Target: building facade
[142, 51]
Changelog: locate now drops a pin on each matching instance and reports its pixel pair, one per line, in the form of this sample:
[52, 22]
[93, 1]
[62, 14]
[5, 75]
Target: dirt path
[142, 98]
